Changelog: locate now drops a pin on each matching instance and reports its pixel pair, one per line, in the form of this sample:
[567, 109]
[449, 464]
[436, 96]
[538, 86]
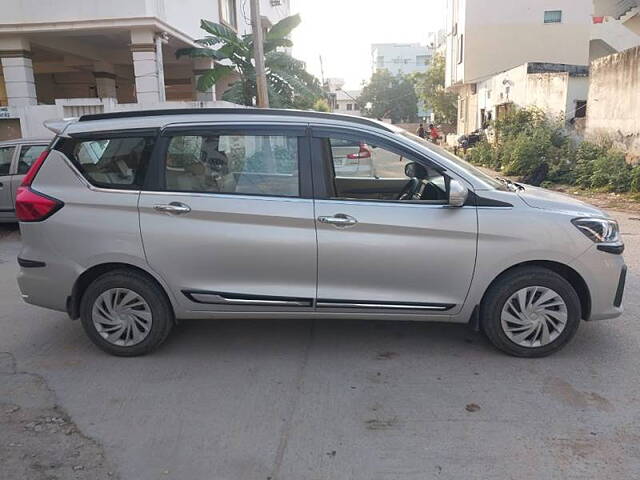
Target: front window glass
[243, 164]
[28, 155]
[6, 155]
[366, 171]
[466, 166]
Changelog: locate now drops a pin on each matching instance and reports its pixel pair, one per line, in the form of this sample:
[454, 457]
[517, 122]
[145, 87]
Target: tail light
[364, 152]
[32, 206]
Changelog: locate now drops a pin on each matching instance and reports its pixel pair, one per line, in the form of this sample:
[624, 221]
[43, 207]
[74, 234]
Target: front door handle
[175, 208]
[339, 220]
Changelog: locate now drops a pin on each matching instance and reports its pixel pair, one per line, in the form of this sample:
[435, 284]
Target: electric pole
[258, 55]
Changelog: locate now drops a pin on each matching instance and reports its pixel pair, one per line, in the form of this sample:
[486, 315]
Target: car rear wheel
[530, 312]
[125, 313]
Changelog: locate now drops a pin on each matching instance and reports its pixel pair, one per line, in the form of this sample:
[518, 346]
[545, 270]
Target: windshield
[466, 166]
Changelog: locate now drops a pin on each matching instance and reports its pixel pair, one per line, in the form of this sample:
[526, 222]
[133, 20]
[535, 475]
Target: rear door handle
[339, 220]
[175, 208]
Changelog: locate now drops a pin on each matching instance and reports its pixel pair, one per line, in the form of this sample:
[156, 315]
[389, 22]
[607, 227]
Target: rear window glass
[112, 162]
[28, 155]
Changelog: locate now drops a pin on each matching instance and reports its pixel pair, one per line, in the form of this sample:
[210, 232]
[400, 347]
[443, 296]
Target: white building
[67, 58]
[484, 42]
[401, 58]
[343, 101]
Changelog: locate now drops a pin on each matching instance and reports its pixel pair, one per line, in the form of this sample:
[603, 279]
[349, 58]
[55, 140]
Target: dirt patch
[39, 440]
[623, 202]
[567, 394]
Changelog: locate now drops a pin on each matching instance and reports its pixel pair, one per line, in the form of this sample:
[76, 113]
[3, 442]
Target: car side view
[133, 221]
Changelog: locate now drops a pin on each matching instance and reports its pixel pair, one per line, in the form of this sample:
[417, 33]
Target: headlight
[599, 230]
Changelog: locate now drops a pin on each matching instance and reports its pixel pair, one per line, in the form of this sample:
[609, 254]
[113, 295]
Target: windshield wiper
[510, 184]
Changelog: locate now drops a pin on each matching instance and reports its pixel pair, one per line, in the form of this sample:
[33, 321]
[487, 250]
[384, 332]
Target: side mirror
[457, 193]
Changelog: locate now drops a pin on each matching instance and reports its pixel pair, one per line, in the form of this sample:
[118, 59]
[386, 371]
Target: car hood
[547, 200]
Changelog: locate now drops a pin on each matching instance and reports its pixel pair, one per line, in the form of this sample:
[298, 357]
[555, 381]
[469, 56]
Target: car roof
[163, 118]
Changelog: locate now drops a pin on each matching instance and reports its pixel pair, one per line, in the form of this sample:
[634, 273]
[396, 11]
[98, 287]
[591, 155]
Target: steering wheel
[410, 189]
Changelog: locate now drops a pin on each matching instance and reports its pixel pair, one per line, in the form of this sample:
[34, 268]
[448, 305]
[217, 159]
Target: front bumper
[604, 274]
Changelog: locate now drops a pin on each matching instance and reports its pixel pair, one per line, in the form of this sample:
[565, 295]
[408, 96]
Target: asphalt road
[302, 400]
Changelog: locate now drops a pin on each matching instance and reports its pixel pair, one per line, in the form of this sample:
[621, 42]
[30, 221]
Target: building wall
[501, 34]
[183, 15]
[48, 11]
[554, 92]
[614, 102]
[401, 58]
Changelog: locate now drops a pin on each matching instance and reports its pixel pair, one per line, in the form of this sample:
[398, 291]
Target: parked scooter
[469, 140]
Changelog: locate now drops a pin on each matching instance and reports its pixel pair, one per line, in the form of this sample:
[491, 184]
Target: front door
[6, 195]
[379, 253]
[229, 224]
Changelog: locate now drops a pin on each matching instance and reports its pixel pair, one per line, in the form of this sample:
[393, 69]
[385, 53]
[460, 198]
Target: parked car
[16, 157]
[352, 158]
[133, 221]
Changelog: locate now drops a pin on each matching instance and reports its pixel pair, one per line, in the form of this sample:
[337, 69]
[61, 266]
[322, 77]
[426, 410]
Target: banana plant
[288, 83]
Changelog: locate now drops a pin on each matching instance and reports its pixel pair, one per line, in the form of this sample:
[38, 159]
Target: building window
[228, 14]
[380, 61]
[349, 106]
[552, 16]
[460, 48]
[581, 109]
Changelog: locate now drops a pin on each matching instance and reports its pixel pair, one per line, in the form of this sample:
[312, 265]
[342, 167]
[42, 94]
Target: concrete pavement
[302, 400]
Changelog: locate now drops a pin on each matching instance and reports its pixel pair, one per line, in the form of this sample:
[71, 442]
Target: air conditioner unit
[276, 3]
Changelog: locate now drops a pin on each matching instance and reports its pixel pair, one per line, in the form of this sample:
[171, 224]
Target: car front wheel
[530, 312]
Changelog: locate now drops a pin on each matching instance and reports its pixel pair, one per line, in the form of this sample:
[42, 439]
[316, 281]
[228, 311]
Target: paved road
[302, 400]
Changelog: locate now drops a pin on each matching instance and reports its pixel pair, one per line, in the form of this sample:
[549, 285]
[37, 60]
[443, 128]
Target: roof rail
[234, 111]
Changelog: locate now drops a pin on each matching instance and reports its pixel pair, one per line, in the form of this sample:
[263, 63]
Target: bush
[482, 154]
[604, 168]
[533, 146]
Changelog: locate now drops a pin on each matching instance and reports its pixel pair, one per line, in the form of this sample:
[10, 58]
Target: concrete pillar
[105, 76]
[145, 65]
[17, 69]
[200, 66]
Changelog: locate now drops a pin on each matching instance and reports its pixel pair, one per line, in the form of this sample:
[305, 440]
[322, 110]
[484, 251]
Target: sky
[342, 31]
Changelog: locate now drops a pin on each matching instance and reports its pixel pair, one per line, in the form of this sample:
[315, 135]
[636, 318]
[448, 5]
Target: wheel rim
[534, 316]
[122, 317]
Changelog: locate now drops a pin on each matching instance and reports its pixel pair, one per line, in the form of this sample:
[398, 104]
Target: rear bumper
[604, 273]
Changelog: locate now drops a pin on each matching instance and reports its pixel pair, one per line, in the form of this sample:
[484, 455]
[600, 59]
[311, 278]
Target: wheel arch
[565, 271]
[90, 274]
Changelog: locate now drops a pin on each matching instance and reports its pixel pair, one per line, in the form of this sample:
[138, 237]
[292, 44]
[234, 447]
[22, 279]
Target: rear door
[7, 154]
[381, 254]
[26, 155]
[227, 218]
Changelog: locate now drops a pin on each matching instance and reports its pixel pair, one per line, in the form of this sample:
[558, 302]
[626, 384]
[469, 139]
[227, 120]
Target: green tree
[288, 82]
[431, 90]
[321, 105]
[391, 97]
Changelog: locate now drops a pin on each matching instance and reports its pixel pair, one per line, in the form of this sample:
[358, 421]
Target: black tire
[161, 311]
[509, 283]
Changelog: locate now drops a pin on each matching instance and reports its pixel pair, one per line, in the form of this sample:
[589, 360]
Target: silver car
[16, 157]
[133, 221]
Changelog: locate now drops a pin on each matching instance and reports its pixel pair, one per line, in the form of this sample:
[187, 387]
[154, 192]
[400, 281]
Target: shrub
[603, 168]
[481, 154]
[533, 146]
[635, 179]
